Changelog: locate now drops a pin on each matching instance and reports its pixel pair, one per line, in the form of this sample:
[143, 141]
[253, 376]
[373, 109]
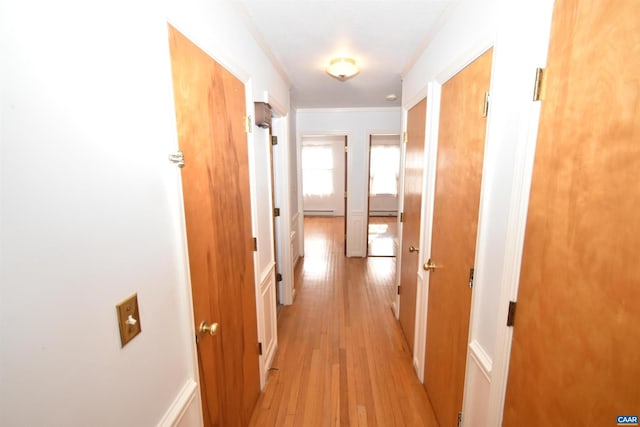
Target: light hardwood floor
[342, 358]
[381, 236]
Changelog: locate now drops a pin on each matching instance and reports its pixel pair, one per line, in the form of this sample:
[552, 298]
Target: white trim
[356, 233]
[227, 63]
[395, 304]
[284, 256]
[465, 58]
[482, 359]
[264, 274]
[433, 31]
[300, 208]
[259, 276]
[278, 108]
[185, 271]
[521, 46]
[266, 292]
[249, 25]
[420, 327]
[349, 110]
[180, 405]
[409, 103]
[432, 122]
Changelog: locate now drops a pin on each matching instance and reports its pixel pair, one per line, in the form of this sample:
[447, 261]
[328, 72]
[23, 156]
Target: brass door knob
[211, 329]
[413, 249]
[430, 266]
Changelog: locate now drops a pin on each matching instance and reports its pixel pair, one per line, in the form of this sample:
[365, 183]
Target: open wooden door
[210, 107]
[414, 165]
[575, 357]
[461, 136]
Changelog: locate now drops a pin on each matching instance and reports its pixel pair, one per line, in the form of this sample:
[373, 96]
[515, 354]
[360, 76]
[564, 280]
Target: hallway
[342, 358]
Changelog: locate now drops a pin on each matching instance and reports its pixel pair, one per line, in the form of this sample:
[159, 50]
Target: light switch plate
[128, 319]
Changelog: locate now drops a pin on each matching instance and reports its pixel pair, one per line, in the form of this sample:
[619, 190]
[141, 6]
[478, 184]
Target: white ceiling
[383, 36]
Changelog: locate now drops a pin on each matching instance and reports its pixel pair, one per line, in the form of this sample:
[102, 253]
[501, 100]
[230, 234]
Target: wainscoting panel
[267, 328]
[356, 234]
[478, 385]
[295, 250]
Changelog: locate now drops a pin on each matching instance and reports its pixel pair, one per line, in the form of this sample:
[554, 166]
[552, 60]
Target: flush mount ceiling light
[343, 68]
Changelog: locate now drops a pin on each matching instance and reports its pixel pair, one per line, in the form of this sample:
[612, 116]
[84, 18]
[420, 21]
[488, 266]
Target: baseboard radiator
[319, 212]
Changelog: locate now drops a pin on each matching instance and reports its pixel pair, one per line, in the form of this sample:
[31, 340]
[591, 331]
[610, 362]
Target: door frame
[190, 392]
[370, 134]
[281, 161]
[427, 197]
[347, 171]
[433, 93]
[531, 52]
[520, 38]
[247, 81]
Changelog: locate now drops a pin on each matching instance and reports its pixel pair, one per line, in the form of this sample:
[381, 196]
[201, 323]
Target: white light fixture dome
[343, 68]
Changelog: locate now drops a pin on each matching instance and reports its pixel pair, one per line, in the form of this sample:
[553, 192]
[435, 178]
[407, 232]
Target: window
[317, 170]
[384, 169]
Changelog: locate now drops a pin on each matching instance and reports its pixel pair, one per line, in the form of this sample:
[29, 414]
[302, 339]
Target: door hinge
[247, 124]
[260, 348]
[274, 140]
[177, 158]
[401, 216]
[511, 315]
[471, 271]
[459, 419]
[485, 108]
[398, 289]
[278, 277]
[539, 86]
[255, 244]
[345, 194]
[405, 137]
[276, 211]
[346, 149]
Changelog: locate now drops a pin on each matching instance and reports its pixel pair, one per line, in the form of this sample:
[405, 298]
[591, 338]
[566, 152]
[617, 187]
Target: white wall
[519, 33]
[91, 208]
[357, 124]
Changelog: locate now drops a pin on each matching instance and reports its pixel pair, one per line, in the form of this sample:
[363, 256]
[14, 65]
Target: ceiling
[383, 36]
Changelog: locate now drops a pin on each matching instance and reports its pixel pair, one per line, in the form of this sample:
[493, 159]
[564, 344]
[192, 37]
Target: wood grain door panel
[575, 357]
[414, 165]
[210, 107]
[461, 139]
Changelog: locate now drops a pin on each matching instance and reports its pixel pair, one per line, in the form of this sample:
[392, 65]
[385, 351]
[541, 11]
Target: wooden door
[461, 139]
[575, 357]
[210, 107]
[414, 164]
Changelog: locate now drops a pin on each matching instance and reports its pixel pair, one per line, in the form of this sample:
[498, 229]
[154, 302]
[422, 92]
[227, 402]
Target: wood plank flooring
[381, 236]
[342, 358]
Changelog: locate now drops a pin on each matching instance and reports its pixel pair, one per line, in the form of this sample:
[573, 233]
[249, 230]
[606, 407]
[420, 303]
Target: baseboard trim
[180, 405]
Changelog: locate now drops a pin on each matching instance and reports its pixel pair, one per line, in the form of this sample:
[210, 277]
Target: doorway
[215, 183]
[382, 213]
[458, 178]
[575, 329]
[324, 177]
[413, 184]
